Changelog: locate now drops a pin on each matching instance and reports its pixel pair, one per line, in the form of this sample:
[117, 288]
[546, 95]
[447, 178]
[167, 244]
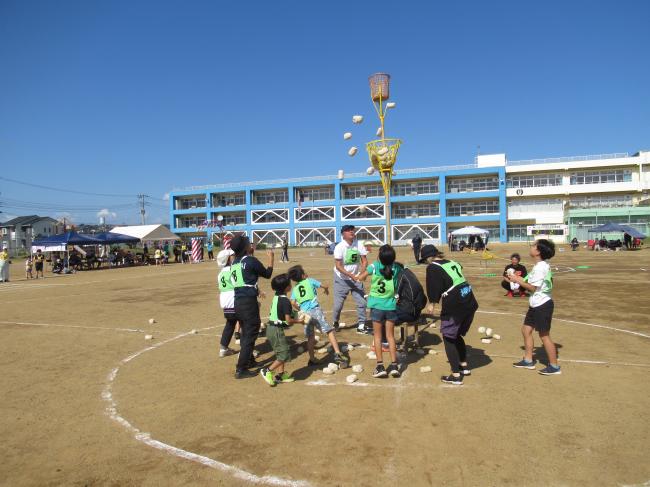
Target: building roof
[21, 221]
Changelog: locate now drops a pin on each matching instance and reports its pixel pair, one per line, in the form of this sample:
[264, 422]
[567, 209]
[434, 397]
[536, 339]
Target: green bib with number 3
[305, 291]
[224, 281]
[380, 287]
[351, 256]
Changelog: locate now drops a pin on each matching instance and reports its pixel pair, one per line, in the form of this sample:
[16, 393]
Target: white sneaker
[224, 352]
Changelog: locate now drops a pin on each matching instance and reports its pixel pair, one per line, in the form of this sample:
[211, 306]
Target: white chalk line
[594, 325]
[143, 437]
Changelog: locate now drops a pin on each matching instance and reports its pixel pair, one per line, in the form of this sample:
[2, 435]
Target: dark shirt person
[417, 245]
[519, 270]
[245, 272]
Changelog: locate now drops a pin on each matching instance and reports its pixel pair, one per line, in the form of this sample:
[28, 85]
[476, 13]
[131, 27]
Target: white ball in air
[370, 171]
[353, 151]
[357, 119]
[347, 136]
[379, 132]
[391, 104]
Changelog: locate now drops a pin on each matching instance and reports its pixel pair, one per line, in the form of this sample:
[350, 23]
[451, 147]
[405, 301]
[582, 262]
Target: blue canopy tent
[68, 238]
[608, 227]
[634, 233]
[110, 238]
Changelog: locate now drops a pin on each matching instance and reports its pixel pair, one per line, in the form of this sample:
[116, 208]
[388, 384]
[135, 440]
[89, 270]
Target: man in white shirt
[349, 261]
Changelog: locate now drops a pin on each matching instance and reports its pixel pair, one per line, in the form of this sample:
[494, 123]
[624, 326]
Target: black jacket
[412, 299]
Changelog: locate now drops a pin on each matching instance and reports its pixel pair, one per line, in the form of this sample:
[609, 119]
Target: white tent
[147, 232]
[470, 231]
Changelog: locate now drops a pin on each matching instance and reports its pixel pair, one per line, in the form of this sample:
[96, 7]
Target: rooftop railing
[551, 160]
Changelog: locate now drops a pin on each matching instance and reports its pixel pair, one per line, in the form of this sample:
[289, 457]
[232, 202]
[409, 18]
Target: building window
[269, 216]
[190, 202]
[602, 177]
[469, 208]
[601, 201]
[228, 199]
[234, 218]
[315, 194]
[361, 191]
[534, 206]
[517, 233]
[458, 185]
[414, 188]
[534, 180]
[317, 213]
[270, 197]
[190, 221]
[428, 208]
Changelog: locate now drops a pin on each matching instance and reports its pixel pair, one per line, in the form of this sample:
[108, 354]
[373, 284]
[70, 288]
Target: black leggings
[247, 312]
[506, 285]
[229, 329]
[456, 352]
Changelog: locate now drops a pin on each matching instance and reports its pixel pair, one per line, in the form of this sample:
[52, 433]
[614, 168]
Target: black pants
[285, 255]
[506, 285]
[228, 330]
[416, 253]
[456, 352]
[247, 312]
[210, 255]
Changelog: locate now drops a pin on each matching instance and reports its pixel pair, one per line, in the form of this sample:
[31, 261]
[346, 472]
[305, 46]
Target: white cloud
[166, 197]
[106, 213]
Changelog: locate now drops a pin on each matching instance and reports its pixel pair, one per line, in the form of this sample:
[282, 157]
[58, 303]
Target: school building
[562, 197]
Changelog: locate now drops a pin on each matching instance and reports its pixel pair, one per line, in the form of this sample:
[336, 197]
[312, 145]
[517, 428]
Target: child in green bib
[382, 303]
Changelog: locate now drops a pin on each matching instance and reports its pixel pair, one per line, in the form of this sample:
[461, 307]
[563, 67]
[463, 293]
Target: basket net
[379, 86]
[383, 153]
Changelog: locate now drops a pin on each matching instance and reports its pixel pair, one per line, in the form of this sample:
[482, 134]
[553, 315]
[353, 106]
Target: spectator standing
[417, 245]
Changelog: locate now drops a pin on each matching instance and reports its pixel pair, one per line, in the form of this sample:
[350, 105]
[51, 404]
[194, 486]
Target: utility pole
[141, 197]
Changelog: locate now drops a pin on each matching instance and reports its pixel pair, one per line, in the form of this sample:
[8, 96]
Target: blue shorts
[383, 315]
[317, 319]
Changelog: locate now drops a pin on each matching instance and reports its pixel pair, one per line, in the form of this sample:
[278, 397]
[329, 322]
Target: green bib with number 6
[305, 291]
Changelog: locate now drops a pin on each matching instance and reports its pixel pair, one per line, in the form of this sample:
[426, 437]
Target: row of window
[534, 180]
[601, 201]
[601, 177]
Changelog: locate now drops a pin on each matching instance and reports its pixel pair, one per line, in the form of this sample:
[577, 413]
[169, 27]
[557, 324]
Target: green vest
[305, 291]
[351, 256]
[273, 315]
[237, 275]
[225, 281]
[380, 287]
[453, 270]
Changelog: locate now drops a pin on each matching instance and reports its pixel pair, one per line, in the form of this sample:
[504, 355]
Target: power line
[50, 188]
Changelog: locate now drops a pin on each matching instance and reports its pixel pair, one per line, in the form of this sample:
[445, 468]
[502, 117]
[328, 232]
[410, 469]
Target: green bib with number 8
[237, 276]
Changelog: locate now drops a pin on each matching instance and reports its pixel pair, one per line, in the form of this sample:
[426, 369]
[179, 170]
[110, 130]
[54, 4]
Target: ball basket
[383, 153]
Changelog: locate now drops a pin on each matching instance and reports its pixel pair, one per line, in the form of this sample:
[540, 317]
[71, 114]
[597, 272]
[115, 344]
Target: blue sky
[127, 97]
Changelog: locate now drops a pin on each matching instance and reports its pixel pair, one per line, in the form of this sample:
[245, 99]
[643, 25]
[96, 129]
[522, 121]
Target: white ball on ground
[433, 352]
[194, 332]
[256, 353]
[351, 378]
[237, 342]
[347, 136]
[151, 321]
[317, 338]
[148, 337]
[357, 119]
[425, 368]
[481, 329]
[328, 371]
[358, 368]
[432, 325]
[349, 348]
[496, 337]
[300, 350]
[333, 366]
[342, 325]
[488, 332]
[322, 351]
[371, 355]
[353, 151]
[486, 340]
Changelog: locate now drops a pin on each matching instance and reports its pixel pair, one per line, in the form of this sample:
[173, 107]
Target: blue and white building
[504, 197]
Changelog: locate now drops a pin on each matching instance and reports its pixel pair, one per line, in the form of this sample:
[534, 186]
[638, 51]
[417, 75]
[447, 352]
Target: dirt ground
[81, 407]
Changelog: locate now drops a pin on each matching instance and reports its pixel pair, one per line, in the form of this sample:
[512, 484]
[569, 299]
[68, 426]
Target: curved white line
[113, 413]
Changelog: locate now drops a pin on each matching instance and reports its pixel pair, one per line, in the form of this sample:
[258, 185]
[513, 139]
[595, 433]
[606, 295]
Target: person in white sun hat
[227, 301]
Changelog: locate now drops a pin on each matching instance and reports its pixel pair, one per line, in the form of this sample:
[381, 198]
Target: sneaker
[393, 370]
[336, 326]
[313, 363]
[253, 364]
[224, 352]
[361, 330]
[450, 379]
[525, 364]
[341, 360]
[380, 372]
[522, 294]
[267, 375]
[509, 295]
[284, 378]
[237, 335]
[244, 374]
[551, 370]
[465, 370]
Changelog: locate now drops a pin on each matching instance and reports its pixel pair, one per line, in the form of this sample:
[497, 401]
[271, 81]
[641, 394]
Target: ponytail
[387, 258]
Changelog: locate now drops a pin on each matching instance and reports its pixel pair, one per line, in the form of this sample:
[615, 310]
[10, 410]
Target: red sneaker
[510, 295]
[522, 294]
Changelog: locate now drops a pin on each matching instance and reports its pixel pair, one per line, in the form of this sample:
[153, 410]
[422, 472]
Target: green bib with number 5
[351, 256]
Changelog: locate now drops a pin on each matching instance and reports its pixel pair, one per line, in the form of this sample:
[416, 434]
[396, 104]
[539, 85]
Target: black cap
[239, 243]
[428, 251]
[347, 228]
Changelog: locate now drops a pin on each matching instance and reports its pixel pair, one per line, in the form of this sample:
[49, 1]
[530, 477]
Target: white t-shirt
[537, 277]
[345, 252]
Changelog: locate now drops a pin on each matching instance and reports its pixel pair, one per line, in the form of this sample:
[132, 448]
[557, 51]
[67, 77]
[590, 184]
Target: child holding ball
[540, 312]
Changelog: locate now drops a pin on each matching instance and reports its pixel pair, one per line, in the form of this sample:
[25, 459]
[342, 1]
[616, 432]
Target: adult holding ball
[350, 261]
[517, 269]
